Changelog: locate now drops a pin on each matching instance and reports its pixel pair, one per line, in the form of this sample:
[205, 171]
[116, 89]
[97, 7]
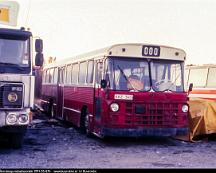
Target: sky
[72, 27]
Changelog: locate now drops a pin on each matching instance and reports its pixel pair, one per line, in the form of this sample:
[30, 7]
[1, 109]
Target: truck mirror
[39, 45]
[190, 87]
[103, 83]
[39, 59]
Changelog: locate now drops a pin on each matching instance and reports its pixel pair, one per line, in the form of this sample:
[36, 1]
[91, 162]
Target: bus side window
[48, 76]
[61, 73]
[44, 77]
[89, 78]
[211, 82]
[55, 80]
[82, 72]
[75, 73]
[68, 74]
[99, 71]
[51, 75]
[186, 76]
[198, 77]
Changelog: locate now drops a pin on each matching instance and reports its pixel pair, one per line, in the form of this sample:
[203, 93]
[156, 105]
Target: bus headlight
[185, 108]
[12, 97]
[114, 107]
[23, 118]
[11, 119]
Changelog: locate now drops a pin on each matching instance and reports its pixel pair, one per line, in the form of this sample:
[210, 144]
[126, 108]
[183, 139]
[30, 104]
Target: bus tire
[50, 111]
[87, 131]
[16, 140]
[84, 122]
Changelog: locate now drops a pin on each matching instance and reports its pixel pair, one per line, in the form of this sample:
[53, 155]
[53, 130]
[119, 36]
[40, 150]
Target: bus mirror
[39, 45]
[39, 59]
[190, 87]
[103, 83]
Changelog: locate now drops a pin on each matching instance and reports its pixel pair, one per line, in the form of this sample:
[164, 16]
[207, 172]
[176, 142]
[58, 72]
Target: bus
[17, 82]
[203, 79]
[128, 90]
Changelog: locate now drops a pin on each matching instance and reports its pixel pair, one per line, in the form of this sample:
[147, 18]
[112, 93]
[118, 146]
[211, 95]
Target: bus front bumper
[140, 132]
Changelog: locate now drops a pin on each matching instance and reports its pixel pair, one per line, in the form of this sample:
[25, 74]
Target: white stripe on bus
[203, 95]
[74, 110]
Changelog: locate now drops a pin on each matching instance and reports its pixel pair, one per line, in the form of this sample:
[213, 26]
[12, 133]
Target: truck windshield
[133, 74]
[14, 56]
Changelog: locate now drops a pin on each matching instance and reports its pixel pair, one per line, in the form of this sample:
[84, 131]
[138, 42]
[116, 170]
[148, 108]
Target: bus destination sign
[148, 50]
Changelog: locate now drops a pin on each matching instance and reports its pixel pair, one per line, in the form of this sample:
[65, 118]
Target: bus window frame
[85, 73]
[207, 83]
[76, 80]
[92, 72]
[98, 81]
[68, 72]
[55, 75]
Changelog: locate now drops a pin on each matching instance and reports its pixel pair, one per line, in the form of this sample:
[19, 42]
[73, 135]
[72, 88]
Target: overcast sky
[71, 27]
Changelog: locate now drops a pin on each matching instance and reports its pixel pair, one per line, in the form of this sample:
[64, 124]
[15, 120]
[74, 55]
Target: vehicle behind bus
[203, 79]
[16, 83]
[123, 90]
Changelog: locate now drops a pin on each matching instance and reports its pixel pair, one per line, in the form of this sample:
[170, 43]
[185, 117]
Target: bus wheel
[84, 123]
[50, 111]
[87, 131]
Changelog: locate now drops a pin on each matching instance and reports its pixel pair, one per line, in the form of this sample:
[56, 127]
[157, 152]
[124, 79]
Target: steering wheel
[159, 82]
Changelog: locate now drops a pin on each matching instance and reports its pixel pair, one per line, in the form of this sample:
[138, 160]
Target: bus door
[98, 94]
[60, 95]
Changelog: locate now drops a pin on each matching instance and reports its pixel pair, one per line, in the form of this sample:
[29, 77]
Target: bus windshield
[133, 74]
[167, 75]
[128, 74]
[14, 55]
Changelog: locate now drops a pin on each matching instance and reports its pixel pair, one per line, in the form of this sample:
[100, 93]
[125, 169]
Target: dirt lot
[50, 144]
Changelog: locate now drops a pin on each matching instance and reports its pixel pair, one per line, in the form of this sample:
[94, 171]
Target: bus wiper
[126, 77]
[172, 83]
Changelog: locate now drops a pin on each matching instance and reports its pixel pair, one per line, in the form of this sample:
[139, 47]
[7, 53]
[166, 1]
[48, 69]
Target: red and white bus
[122, 90]
[203, 79]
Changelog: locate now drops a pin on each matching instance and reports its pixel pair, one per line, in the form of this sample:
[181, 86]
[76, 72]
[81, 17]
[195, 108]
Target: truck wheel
[16, 140]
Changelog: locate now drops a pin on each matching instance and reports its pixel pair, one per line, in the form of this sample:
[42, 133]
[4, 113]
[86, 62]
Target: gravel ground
[50, 144]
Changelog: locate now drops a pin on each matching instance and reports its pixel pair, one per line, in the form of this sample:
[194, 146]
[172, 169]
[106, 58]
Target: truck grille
[6, 88]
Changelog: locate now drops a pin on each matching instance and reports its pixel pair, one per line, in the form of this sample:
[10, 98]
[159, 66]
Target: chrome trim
[74, 110]
[44, 101]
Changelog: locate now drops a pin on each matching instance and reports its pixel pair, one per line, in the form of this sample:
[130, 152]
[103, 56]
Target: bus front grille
[157, 114]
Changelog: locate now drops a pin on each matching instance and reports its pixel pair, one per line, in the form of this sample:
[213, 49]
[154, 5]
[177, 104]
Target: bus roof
[127, 50]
